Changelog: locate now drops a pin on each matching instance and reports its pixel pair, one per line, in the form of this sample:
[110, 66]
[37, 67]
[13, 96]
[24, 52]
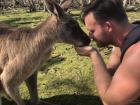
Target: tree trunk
[83, 3]
[89, 1]
[32, 6]
[125, 3]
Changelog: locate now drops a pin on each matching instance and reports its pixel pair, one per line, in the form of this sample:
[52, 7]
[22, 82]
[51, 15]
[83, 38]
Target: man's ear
[108, 26]
[54, 8]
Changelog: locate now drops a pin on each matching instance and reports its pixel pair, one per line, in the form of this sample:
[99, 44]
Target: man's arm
[114, 60]
[123, 87]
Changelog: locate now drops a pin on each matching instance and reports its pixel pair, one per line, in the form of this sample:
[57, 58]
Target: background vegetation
[66, 78]
[37, 5]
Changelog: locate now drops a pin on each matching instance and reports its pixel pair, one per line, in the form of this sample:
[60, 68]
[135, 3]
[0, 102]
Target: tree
[66, 4]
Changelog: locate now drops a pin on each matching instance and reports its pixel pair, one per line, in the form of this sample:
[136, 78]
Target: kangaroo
[23, 50]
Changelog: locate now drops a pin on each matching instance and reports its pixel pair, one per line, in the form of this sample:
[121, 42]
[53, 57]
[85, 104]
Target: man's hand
[85, 51]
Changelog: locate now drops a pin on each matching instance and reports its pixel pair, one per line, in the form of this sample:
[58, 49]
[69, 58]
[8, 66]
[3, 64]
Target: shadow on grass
[55, 60]
[81, 86]
[66, 100]
[52, 61]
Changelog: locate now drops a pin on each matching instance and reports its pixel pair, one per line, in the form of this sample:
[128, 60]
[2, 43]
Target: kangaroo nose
[87, 41]
[84, 41]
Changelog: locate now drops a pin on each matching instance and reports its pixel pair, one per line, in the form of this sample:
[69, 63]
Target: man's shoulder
[133, 51]
[131, 61]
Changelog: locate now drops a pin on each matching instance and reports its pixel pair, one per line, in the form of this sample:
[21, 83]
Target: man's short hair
[104, 10]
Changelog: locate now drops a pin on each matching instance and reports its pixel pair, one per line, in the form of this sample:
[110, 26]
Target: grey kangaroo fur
[23, 50]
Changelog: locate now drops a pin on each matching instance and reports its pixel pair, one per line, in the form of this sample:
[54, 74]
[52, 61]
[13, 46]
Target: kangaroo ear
[54, 8]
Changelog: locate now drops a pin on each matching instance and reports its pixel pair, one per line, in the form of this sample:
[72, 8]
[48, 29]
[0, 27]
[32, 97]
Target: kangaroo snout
[87, 41]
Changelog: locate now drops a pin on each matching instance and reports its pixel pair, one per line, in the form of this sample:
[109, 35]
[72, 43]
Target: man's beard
[100, 43]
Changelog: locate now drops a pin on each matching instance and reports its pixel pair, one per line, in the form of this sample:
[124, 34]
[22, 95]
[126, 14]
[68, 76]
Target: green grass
[69, 80]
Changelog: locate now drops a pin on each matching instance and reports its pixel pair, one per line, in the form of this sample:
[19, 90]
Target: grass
[65, 78]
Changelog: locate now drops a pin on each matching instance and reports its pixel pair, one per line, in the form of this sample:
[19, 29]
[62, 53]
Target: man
[118, 82]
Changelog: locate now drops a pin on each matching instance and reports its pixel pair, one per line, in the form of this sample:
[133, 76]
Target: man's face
[97, 32]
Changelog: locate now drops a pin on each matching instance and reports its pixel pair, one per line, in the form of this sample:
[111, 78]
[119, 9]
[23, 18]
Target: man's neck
[121, 33]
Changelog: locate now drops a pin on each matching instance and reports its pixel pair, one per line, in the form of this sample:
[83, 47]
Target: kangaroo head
[68, 30]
